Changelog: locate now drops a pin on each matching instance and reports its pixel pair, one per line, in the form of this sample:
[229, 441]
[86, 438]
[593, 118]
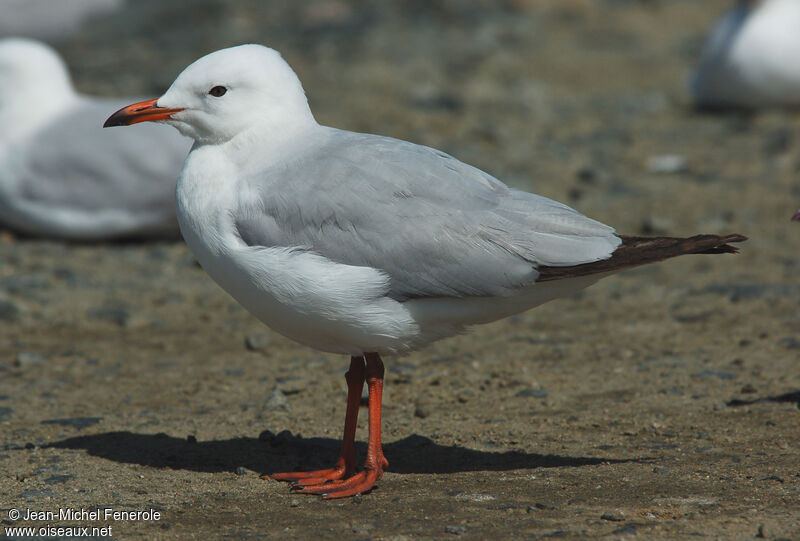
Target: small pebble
[667, 164]
[8, 310]
[719, 406]
[26, 358]
[455, 530]
[748, 389]
[294, 503]
[58, 479]
[660, 469]
[769, 530]
[544, 506]
[241, 470]
[613, 516]
[532, 393]
[277, 400]
[586, 174]
[256, 340]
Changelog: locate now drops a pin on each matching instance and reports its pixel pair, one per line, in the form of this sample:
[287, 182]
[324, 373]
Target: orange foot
[310, 478]
[359, 483]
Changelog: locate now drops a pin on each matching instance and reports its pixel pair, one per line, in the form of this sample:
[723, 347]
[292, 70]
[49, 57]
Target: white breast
[304, 296]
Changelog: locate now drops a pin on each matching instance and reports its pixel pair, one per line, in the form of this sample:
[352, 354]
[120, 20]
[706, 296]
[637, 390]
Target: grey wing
[436, 226]
[75, 162]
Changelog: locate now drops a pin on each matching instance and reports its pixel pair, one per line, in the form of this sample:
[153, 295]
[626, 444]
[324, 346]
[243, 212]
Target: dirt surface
[662, 403]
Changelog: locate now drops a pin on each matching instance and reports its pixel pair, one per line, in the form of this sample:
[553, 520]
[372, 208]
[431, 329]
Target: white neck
[273, 144]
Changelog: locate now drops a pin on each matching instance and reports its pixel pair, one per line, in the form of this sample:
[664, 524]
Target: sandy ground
[662, 403]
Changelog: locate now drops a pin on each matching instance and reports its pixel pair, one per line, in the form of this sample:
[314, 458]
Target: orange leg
[346, 465]
[365, 480]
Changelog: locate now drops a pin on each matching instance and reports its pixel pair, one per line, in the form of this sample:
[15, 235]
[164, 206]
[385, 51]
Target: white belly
[312, 300]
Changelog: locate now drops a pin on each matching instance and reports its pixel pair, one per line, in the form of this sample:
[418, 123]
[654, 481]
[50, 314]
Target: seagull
[61, 176]
[360, 244]
[751, 57]
[49, 20]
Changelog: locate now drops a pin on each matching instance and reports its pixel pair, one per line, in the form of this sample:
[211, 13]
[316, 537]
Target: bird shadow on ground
[288, 452]
[792, 396]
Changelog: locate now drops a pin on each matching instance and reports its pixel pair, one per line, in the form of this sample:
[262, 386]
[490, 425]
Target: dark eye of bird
[218, 91]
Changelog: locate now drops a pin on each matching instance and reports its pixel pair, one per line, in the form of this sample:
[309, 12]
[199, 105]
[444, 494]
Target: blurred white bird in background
[61, 175]
[752, 57]
[49, 19]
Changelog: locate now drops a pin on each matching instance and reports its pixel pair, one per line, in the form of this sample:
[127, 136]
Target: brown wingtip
[636, 251]
[724, 247]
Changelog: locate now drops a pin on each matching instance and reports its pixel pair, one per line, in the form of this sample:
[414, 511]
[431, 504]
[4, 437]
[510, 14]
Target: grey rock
[749, 388]
[455, 530]
[9, 311]
[465, 395]
[289, 386]
[277, 400]
[59, 479]
[532, 393]
[660, 469]
[613, 516]
[241, 470]
[667, 164]
[769, 530]
[256, 341]
[26, 358]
